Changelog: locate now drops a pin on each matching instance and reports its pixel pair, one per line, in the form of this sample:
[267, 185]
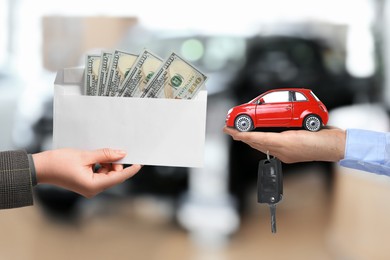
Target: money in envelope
[153, 131]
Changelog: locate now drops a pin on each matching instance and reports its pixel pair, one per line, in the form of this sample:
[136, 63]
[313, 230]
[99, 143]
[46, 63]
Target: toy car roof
[289, 89]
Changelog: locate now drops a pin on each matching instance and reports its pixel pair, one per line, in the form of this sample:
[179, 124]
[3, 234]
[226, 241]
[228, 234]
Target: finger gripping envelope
[153, 131]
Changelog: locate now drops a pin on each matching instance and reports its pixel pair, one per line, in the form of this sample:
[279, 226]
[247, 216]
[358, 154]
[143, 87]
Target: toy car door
[274, 109]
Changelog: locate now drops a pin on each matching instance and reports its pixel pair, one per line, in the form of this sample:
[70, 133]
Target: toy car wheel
[312, 123]
[243, 123]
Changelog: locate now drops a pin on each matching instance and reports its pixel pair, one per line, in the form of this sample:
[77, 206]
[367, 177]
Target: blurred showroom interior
[339, 49]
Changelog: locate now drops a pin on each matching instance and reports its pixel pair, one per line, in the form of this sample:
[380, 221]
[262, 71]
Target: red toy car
[290, 107]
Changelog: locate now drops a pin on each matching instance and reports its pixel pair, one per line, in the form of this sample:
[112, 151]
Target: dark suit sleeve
[15, 180]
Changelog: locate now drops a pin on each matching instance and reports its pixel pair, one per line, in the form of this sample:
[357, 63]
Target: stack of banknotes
[123, 74]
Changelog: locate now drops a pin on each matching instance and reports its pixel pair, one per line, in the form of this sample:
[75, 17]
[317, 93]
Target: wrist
[41, 164]
[341, 141]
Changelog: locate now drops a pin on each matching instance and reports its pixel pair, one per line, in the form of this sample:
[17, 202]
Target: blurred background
[339, 49]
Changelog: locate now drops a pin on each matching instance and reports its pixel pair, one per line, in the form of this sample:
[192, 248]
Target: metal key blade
[273, 217]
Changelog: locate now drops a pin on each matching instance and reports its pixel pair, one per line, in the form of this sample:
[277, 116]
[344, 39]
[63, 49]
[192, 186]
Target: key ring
[268, 157]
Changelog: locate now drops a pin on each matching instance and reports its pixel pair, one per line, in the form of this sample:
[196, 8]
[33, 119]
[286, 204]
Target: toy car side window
[300, 97]
[276, 97]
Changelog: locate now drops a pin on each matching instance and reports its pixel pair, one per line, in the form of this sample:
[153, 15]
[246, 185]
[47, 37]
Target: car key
[270, 185]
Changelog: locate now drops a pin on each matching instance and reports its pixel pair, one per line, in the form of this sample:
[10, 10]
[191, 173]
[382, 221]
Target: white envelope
[153, 131]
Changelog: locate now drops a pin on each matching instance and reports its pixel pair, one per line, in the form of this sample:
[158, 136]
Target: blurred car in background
[292, 62]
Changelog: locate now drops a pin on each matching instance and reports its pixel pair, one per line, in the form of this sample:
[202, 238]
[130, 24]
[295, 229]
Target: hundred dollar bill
[176, 78]
[144, 68]
[120, 65]
[105, 62]
[92, 64]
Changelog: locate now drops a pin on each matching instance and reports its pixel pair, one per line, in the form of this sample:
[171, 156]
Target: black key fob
[270, 181]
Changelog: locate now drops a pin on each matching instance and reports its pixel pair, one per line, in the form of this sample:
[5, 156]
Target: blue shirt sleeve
[367, 151]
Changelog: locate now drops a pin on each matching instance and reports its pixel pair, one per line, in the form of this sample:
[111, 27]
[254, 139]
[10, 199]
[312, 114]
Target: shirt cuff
[32, 170]
[367, 150]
